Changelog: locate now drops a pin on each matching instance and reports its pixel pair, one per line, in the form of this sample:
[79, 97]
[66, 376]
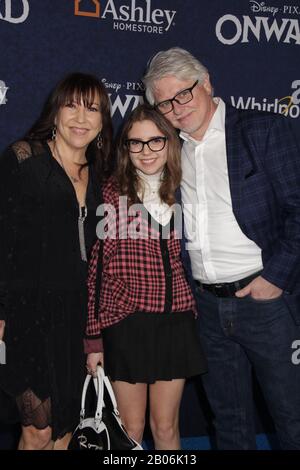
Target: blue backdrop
[251, 48]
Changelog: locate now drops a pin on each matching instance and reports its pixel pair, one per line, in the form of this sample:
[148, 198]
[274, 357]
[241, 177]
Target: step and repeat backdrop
[251, 48]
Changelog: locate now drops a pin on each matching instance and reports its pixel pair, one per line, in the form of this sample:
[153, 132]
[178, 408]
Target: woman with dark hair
[142, 322]
[50, 188]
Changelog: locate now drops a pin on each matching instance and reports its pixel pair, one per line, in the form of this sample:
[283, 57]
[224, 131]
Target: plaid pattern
[264, 174]
[133, 277]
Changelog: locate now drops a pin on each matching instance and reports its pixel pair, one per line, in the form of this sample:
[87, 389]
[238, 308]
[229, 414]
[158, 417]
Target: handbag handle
[98, 383]
[106, 383]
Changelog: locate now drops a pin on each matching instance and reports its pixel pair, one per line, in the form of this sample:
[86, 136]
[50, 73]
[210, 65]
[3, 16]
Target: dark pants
[238, 334]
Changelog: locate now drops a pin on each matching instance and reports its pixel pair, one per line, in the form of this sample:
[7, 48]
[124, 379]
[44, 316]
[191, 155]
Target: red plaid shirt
[142, 274]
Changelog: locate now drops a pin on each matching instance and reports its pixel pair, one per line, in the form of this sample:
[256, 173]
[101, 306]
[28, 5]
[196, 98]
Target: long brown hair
[77, 87]
[126, 176]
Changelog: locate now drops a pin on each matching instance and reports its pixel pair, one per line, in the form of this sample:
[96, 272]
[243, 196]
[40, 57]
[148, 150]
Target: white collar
[151, 180]
[217, 123]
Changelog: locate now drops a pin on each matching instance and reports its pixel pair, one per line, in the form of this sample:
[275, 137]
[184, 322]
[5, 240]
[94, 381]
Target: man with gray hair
[241, 200]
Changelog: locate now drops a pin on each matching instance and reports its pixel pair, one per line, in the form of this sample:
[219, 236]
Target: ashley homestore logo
[94, 10]
[14, 11]
[135, 15]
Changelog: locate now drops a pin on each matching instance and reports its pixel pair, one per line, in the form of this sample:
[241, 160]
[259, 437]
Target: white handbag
[104, 430]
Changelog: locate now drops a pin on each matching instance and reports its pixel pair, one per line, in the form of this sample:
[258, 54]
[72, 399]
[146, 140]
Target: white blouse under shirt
[149, 195]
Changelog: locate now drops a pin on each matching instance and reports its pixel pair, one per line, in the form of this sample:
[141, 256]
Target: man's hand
[2, 328]
[260, 289]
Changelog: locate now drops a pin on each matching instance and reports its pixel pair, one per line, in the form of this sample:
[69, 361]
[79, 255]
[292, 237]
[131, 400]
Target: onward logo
[135, 15]
[231, 29]
[7, 14]
[3, 91]
[288, 105]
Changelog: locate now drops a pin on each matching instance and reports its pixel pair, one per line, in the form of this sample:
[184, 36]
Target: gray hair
[174, 61]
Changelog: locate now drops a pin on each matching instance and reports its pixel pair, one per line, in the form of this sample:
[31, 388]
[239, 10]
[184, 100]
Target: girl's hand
[92, 360]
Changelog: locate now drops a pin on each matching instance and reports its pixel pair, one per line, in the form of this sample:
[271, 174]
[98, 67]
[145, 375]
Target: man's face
[193, 117]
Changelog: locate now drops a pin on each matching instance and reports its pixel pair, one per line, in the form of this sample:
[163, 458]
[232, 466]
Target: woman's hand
[2, 328]
[92, 360]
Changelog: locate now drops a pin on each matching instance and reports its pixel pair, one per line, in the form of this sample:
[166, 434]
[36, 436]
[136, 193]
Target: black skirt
[45, 361]
[146, 347]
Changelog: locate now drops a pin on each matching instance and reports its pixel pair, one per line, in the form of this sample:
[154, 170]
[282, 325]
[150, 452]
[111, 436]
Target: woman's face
[78, 125]
[150, 161]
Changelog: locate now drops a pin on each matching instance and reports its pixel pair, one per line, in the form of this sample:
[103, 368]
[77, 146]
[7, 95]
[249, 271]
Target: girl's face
[149, 158]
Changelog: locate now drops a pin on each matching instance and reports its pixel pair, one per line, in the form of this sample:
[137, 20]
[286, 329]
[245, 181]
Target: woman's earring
[99, 141]
[54, 133]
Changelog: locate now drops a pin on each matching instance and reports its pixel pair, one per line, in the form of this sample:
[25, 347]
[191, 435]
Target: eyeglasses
[156, 144]
[183, 97]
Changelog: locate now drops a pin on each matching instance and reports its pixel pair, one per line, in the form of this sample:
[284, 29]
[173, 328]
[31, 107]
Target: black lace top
[43, 284]
[39, 221]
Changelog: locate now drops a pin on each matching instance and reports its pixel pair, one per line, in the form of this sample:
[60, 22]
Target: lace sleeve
[21, 150]
[9, 193]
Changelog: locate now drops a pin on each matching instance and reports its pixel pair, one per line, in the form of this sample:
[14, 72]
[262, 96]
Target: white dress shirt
[219, 250]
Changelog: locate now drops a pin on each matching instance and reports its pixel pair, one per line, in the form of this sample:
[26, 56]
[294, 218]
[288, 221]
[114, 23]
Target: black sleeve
[9, 194]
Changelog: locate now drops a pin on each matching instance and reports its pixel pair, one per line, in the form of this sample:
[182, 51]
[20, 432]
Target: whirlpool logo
[14, 11]
[288, 105]
[136, 15]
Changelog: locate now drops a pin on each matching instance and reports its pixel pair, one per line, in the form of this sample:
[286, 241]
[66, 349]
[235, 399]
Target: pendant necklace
[81, 219]
[82, 211]
[72, 178]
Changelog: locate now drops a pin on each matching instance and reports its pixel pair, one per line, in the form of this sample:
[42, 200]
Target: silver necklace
[82, 211]
[81, 219]
[72, 178]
